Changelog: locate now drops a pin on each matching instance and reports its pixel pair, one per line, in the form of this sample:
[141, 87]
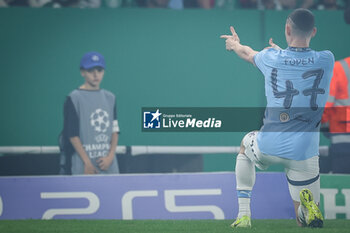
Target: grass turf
[163, 226]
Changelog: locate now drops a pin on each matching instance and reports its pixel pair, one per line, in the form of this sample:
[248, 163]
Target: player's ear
[314, 31]
[288, 29]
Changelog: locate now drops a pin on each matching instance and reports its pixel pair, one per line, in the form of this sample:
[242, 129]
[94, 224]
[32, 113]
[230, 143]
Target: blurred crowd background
[183, 4]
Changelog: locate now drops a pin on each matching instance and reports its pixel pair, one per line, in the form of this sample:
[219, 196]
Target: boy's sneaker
[242, 222]
[312, 214]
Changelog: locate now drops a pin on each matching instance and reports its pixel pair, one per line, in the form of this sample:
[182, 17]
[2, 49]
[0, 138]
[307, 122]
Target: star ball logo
[152, 120]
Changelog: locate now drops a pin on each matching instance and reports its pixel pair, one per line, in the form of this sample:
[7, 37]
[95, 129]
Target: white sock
[245, 173]
[244, 207]
[245, 180]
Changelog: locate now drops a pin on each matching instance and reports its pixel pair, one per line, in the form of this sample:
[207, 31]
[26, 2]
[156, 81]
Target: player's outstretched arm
[243, 51]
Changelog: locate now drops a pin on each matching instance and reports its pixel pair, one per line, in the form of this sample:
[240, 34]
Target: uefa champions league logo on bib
[100, 120]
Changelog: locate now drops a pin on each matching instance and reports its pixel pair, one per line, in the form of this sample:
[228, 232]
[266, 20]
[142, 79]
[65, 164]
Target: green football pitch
[163, 226]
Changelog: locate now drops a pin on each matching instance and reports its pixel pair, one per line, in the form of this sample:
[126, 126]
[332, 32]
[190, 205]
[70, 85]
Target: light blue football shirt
[296, 87]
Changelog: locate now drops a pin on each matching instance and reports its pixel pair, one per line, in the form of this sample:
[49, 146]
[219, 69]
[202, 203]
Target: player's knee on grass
[304, 176]
[314, 187]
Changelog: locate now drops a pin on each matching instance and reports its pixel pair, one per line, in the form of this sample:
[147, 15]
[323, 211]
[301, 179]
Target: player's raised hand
[231, 40]
[273, 45]
[234, 34]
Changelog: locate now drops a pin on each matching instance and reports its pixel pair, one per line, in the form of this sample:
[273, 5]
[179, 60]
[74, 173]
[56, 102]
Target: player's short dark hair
[303, 20]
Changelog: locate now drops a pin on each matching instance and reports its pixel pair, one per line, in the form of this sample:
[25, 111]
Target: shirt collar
[297, 49]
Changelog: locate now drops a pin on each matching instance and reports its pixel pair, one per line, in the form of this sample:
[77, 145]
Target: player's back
[296, 87]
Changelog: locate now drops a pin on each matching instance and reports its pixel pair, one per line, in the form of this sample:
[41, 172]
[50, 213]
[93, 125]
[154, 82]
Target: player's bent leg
[304, 187]
[245, 180]
[245, 173]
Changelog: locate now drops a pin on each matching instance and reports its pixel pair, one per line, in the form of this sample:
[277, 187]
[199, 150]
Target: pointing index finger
[225, 36]
[232, 30]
